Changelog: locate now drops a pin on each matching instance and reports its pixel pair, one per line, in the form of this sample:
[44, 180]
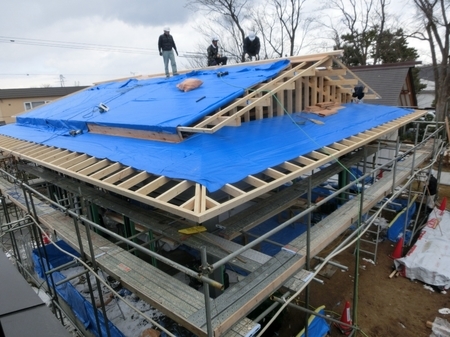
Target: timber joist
[185, 198]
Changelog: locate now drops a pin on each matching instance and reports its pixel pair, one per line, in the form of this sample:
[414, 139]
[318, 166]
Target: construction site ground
[387, 306]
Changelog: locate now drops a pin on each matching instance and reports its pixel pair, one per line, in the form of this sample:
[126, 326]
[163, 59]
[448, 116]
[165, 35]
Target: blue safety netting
[51, 258]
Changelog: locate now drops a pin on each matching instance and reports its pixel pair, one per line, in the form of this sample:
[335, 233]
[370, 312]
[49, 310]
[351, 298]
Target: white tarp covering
[429, 259]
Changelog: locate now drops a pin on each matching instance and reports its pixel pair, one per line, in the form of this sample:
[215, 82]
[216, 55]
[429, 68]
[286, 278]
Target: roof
[22, 312]
[389, 81]
[152, 105]
[38, 92]
[230, 141]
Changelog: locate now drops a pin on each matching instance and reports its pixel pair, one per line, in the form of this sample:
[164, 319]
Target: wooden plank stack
[324, 109]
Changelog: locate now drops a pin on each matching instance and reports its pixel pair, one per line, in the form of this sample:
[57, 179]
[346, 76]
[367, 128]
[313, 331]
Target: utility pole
[61, 80]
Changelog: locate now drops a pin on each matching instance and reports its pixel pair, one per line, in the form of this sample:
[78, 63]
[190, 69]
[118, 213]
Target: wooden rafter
[181, 197]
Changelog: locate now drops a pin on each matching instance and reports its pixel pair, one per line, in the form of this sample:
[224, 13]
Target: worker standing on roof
[358, 94]
[214, 58]
[166, 46]
[252, 46]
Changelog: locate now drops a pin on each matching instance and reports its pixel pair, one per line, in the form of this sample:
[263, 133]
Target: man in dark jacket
[252, 46]
[358, 94]
[166, 46]
[214, 58]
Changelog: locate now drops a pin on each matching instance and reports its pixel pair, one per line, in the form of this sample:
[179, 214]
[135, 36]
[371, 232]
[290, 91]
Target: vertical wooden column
[313, 81]
[258, 108]
[320, 90]
[306, 92]
[298, 95]
[280, 103]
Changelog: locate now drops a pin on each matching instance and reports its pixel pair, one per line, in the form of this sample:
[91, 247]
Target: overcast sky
[27, 26]
[83, 32]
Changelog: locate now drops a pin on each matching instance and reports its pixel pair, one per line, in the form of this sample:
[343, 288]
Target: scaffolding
[62, 207]
[117, 218]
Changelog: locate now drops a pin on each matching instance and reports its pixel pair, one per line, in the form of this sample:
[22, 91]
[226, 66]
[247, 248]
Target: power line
[88, 46]
[75, 45]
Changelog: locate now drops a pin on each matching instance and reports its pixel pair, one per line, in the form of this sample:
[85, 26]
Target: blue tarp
[82, 308]
[403, 218]
[317, 326]
[283, 236]
[226, 156]
[154, 104]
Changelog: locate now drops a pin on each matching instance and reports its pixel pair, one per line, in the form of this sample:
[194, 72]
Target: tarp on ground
[428, 260]
[82, 308]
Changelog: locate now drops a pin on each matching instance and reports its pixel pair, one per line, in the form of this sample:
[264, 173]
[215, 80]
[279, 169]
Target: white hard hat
[215, 38]
[251, 36]
[167, 29]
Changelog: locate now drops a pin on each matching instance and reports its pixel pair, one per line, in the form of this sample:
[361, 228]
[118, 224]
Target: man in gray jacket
[166, 46]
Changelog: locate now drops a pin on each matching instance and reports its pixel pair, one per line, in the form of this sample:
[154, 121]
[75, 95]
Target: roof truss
[307, 81]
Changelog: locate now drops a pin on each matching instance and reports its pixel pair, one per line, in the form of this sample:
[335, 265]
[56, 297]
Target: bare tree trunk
[382, 16]
[437, 27]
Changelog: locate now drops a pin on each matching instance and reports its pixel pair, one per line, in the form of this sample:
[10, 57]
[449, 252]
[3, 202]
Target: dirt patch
[386, 306]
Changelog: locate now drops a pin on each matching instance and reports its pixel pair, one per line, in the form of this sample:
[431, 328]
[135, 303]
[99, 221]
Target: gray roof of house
[386, 79]
[38, 92]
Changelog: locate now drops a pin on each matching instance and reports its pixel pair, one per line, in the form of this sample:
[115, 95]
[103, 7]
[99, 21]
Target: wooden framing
[180, 197]
[307, 81]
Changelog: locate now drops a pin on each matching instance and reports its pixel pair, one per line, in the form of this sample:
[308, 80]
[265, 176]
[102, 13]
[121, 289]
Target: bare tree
[230, 15]
[279, 23]
[271, 32]
[363, 23]
[437, 33]
[289, 14]
[381, 13]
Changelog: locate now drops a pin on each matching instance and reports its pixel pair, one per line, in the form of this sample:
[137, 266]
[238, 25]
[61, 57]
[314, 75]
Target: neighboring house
[16, 101]
[393, 82]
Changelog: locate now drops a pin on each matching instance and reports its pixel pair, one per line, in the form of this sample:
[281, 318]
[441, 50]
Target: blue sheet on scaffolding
[317, 326]
[82, 308]
[399, 225]
[228, 155]
[154, 104]
[282, 237]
